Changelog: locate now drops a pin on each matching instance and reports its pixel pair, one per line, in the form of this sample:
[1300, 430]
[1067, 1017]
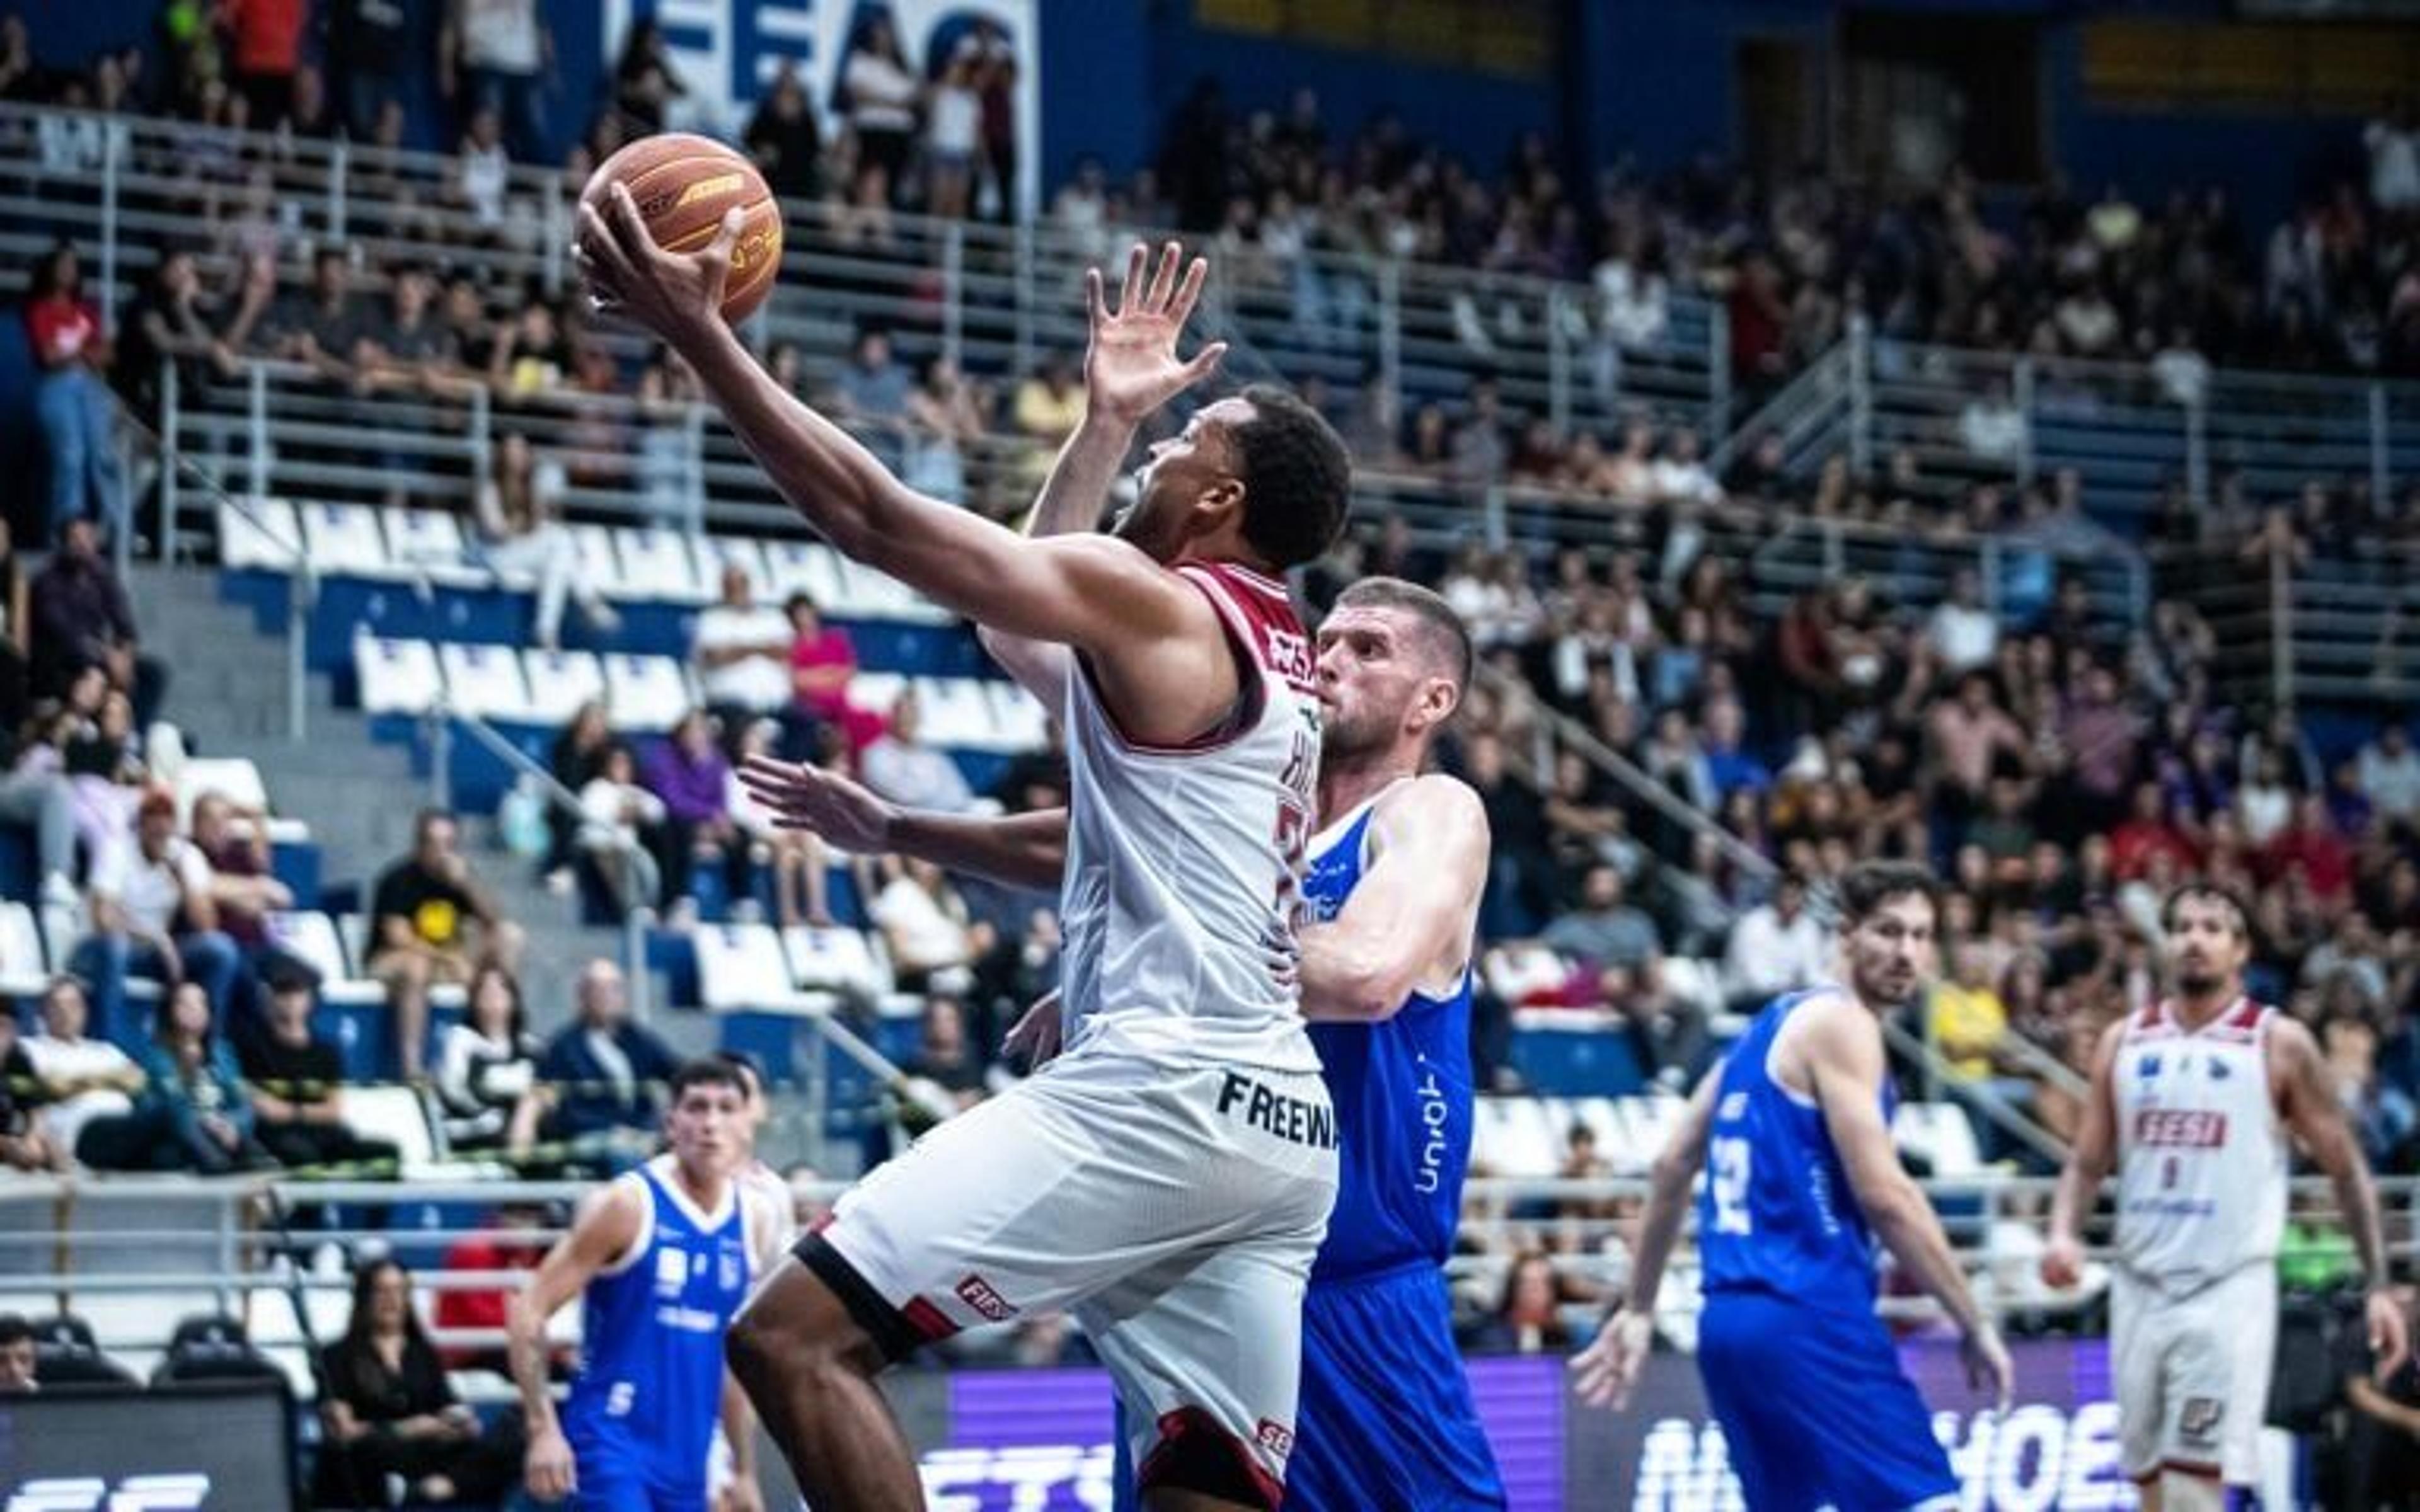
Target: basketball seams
[661, 167]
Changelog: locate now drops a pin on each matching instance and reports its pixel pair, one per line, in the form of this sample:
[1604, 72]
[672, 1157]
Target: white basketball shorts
[2192, 1373]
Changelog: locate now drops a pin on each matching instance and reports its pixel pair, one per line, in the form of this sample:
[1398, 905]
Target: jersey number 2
[1728, 1181]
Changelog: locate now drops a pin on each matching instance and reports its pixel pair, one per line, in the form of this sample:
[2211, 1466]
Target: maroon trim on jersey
[927, 1319]
[2198, 1469]
[2151, 1013]
[1258, 580]
[1251, 696]
[1261, 623]
[1195, 1454]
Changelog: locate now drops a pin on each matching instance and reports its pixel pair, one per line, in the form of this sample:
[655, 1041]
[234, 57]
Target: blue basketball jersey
[650, 1383]
[1776, 1213]
[1403, 1096]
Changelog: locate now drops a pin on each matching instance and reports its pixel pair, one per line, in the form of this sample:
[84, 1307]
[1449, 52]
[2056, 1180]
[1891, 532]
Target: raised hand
[670, 293]
[800, 796]
[1131, 367]
[1607, 1370]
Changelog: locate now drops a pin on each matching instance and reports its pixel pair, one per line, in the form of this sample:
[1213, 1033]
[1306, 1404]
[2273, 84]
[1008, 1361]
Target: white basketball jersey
[2202, 1153]
[1184, 862]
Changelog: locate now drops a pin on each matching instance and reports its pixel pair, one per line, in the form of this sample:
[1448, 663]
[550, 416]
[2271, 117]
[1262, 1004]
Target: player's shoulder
[1432, 799]
[1832, 1023]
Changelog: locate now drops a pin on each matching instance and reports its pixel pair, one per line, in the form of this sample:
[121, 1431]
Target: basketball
[684, 185]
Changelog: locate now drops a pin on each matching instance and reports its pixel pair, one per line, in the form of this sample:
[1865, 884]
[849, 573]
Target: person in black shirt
[433, 923]
[23, 1145]
[390, 1411]
[944, 1057]
[785, 140]
[298, 1100]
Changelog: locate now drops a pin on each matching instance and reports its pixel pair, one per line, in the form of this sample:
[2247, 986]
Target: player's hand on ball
[1988, 1366]
[670, 293]
[2390, 1333]
[1035, 1036]
[1607, 1370]
[2062, 1264]
[801, 796]
[546, 1468]
[1131, 367]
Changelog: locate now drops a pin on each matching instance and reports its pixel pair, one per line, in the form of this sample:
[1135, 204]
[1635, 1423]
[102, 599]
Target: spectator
[2149, 838]
[878, 94]
[235, 843]
[1728, 763]
[688, 772]
[1528, 1319]
[1777, 947]
[428, 912]
[576, 760]
[319, 327]
[1045, 409]
[408, 348]
[946, 417]
[71, 398]
[2383, 1116]
[934, 941]
[2394, 143]
[943, 1056]
[2390, 773]
[1621, 956]
[84, 1086]
[645, 81]
[623, 839]
[954, 132]
[902, 768]
[194, 1112]
[491, 54]
[520, 531]
[297, 1080]
[1962, 633]
[1969, 734]
[741, 650]
[267, 37]
[154, 917]
[601, 1073]
[17, 1354]
[170, 321]
[487, 1070]
[25, 1145]
[1992, 427]
[797, 856]
[1521, 868]
[785, 139]
[512, 1241]
[390, 1417]
[2103, 738]
[368, 51]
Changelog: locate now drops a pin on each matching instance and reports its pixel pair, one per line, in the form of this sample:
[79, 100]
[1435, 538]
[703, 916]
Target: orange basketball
[683, 185]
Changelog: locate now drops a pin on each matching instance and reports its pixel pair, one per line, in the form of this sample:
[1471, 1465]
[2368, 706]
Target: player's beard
[2199, 981]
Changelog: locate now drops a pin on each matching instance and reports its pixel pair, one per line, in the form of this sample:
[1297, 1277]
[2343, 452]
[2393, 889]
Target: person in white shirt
[878, 93]
[901, 767]
[953, 133]
[1680, 475]
[1962, 632]
[933, 941]
[1775, 946]
[2390, 773]
[621, 831]
[87, 1083]
[1992, 427]
[741, 649]
[2395, 159]
[143, 896]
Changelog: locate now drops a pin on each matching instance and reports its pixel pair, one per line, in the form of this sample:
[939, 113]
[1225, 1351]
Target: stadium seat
[23, 971]
[484, 681]
[65, 1354]
[599, 557]
[713, 553]
[311, 937]
[263, 534]
[559, 683]
[397, 676]
[956, 714]
[344, 540]
[647, 693]
[742, 966]
[808, 567]
[879, 691]
[656, 563]
[399, 1116]
[213, 1347]
[879, 597]
[1024, 724]
[429, 541]
[1941, 1135]
[237, 780]
[836, 960]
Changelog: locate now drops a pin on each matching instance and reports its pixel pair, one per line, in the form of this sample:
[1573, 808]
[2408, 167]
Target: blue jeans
[74, 411]
[106, 962]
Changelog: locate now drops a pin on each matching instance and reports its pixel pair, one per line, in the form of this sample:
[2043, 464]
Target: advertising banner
[214, 1448]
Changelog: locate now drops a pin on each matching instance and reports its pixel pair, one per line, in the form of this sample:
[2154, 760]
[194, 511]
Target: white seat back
[560, 682]
[741, 966]
[484, 680]
[264, 534]
[647, 693]
[397, 676]
[656, 563]
[344, 540]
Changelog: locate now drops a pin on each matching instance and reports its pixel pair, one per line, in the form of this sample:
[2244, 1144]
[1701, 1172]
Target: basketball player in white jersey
[2195, 1099]
[1171, 1179]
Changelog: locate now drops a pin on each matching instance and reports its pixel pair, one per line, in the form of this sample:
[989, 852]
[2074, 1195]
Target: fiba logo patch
[977, 1293]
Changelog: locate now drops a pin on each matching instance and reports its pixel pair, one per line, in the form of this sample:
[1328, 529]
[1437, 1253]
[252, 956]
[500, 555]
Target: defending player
[2195, 1099]
[1172, 1182]
[1394, 879]
[662, 1259]
[1803, 1178]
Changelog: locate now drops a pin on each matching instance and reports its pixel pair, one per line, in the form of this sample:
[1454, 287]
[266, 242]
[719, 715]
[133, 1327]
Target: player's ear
[1220, 498]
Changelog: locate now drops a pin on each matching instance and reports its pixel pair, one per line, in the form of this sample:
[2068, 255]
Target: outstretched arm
[1089, 592]
[1130, 370]
[1028, 850]
[1607, 1372]
[1408, 924]
[605, 1230]
[2317, 1121]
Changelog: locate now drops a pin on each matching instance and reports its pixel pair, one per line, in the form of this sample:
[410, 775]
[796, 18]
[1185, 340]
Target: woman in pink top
[823, 662]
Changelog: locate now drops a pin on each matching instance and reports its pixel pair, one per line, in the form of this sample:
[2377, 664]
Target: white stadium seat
[656, 563]
[560, 682]
[23, 971]
[645, 693]
[344, 540]
[745, 552]
[879, 597]
[396, 1115]
[428, 541]
[1941, 1135]
[957, 713]
[877, 691]
[835, 960]
[263, 533]
[742, 966]
[1023, 723]
[311, 937]
[484, 680]
[808, 567]
[397, 676]
[599, 557]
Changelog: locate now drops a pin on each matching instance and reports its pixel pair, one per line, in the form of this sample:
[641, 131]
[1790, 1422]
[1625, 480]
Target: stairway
[227, 690]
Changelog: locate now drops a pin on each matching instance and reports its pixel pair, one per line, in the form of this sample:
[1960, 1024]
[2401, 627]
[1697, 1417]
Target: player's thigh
[1205, 1349]
[1384, 1415]
[2138, 1349]
[1750, 1387]
[611, 1477]
[2211, 1421]
[2240, 1320]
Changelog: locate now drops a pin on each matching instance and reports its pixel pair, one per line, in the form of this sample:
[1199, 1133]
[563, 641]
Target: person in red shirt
[2147, 833]
[266, 39]
[69, 398]
[516, 1243]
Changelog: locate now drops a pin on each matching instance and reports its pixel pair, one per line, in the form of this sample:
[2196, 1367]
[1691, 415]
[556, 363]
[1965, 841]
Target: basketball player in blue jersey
[1385, 1417]
[660, 1259]
[1795, 1125]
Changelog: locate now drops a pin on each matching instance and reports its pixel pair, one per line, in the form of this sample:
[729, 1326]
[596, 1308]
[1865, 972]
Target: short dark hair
[1297, 478]
[2213, 892]
[1439, 624]
[15, 1330]
[708, 1071]
[1866, 887]
[743, 1063]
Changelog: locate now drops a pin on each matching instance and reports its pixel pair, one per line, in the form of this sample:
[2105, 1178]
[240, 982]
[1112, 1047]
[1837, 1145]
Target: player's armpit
[1408, 924]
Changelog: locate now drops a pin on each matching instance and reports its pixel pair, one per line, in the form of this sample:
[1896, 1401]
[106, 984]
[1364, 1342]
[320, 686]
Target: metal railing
[996, 298]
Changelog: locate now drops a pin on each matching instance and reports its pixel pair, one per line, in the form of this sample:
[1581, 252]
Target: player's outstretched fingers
[1205, 362]
[1188, 293]
[1163, 278]
[631, 233]
[1096, 302]
[603, 260]
[1130, 290]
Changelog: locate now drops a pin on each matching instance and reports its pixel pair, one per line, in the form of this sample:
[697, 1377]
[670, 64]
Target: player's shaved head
[1440, 635]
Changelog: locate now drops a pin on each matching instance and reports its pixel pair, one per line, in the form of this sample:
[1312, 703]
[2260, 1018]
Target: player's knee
[2191, 1491]
[795, 1326]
